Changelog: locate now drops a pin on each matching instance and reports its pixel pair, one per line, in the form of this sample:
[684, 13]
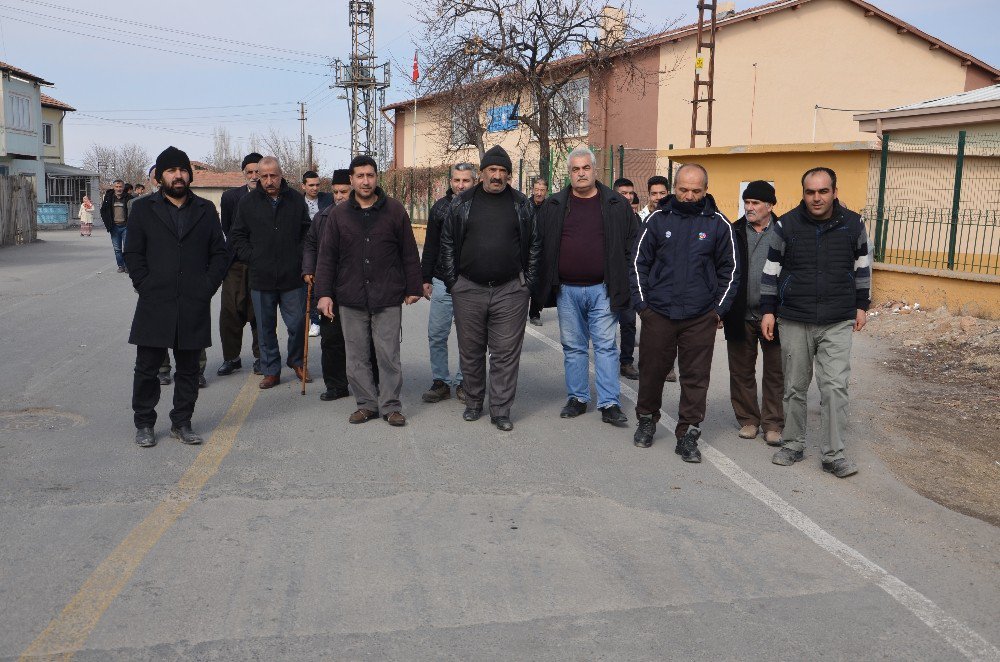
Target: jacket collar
[672, 204]
[159, 206]
[282, 190]
[837, 217]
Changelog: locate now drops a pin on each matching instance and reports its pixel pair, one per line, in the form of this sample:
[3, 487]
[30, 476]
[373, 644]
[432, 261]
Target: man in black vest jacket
[237, 308]
[268, 232]
[817, 285]
[684, 281]
[588, 231]
[742, 324]
[490, 251]
[176, 257]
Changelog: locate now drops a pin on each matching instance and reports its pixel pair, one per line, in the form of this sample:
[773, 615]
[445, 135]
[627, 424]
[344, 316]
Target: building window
[571, 107]
[19, 116]
[47, 134]
[465, 126]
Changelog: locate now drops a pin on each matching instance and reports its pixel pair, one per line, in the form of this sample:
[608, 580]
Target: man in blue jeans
[114, 213]
[463, 177]
[588, 231]
[268, 234]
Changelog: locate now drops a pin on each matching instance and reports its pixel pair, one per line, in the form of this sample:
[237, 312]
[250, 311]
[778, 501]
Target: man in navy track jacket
[684, 279]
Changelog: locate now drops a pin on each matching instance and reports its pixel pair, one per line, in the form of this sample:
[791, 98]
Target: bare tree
[226, 154]
[274, 143]
[537, 56]
[129, 163]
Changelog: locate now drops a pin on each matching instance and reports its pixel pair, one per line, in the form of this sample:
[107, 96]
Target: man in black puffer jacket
[684, 281]
[268, 232]
[490, 249]
[817, 282]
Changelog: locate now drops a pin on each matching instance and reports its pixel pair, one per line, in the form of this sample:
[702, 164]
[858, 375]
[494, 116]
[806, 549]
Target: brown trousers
[692, 343]
[236, 312]
[770, 416]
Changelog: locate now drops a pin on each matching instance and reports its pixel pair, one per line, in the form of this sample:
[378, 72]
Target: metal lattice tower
[364, 83]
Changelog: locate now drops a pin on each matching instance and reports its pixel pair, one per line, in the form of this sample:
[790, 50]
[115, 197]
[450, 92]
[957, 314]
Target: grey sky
[98, 69]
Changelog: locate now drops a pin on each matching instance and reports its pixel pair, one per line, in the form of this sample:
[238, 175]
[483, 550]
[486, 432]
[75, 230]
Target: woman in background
[86, 217]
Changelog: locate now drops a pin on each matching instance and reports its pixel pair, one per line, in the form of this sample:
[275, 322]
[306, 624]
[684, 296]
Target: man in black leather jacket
[490, 251]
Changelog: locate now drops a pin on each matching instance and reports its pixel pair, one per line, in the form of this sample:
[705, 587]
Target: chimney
[611, 27]
[726, 9]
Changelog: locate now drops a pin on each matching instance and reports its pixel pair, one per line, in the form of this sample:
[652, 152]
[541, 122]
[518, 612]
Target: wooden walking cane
[305, 350]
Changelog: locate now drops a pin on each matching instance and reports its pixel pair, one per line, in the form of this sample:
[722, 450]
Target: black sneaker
[185, 434]
[573, 408]
[841, 467]
[643, 437]
[164, 378]
[437, 392]
[536, 320]
[144, 437]
[687, 446]
[614, 415]
[472, 414]
[786, 457]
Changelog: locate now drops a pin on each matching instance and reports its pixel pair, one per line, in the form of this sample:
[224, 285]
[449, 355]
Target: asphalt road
[292, 535]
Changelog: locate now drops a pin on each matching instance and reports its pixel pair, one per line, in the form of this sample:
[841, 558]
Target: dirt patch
[938, 406]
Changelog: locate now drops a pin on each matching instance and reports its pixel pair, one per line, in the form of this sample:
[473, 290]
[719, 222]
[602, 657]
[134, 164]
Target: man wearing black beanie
[176, 257]
[489, 259]
[742, 324]
[237, 308]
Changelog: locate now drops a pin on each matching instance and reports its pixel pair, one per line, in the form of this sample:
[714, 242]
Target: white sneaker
[313, 330]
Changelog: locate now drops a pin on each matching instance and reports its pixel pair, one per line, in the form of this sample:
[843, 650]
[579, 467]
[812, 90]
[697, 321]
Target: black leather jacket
[453, 232]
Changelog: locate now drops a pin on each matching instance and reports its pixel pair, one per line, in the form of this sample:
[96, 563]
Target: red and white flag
[416, 68]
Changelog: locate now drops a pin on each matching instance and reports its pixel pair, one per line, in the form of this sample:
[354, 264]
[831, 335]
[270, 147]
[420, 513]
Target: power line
[165, 50]
[160, 110]
[214, 38]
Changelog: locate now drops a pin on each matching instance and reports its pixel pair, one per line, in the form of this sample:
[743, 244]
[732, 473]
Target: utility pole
[302, 138]
[364, 83]
[704, 42]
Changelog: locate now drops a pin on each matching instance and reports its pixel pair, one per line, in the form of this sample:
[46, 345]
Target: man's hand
[767, 326]
[411, 300]
[325, 307]
[860, 319]
[428, 290]
[308, 278]
[718, 321]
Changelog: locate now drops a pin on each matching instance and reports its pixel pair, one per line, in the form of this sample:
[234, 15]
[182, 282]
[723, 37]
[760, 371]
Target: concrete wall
[781, 164]
[962, 295]
[54, 153]
[827, 53]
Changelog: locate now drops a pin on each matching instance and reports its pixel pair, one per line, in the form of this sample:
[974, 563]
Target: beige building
[788, 72]
[53, 114]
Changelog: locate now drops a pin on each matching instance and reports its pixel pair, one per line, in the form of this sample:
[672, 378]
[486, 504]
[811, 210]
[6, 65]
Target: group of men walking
[493, 258]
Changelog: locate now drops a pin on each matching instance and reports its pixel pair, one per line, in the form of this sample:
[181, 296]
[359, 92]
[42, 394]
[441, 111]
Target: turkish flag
[416, 68]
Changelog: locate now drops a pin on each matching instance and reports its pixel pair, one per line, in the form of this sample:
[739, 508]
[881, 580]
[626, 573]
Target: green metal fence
[934, 201]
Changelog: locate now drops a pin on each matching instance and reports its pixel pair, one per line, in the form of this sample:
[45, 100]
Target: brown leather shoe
[362, 416]
[298, 374]
[270, 381]
[395, 419]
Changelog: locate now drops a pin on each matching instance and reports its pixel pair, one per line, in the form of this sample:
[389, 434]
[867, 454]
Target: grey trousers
[490, 318]
[361, 328]
[825, 348]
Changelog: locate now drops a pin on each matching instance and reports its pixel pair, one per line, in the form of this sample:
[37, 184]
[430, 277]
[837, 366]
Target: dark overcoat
[175, 276]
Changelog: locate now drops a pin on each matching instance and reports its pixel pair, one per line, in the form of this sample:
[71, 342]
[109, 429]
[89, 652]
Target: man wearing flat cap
[176, 257]
[489, 259]
[742, 324]
[237, 307]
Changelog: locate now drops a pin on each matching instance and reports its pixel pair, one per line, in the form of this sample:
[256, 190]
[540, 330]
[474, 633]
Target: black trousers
[626, 320]
[146, 385]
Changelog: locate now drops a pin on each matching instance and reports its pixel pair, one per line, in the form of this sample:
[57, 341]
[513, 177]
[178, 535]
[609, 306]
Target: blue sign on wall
[499, 118]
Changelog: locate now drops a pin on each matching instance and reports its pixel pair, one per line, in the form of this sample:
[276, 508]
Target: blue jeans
[118, 241]
[585, 315]
[438, 329]
[292, 304]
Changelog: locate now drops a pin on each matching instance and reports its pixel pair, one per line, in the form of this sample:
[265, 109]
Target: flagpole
[413, 171]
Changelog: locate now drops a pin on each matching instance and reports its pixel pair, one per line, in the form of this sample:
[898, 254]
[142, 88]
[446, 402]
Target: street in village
[293, 535]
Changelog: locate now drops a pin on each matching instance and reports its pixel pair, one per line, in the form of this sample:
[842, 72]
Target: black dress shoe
[644, 433]
[229, 367]
[687, 446]
[164, 378]
[614, 415]
[503, 423]
[256, 367]
[185, 434]
[333, 394]
[202, 382]
[472, 414]
[144, 437]
[573, 408]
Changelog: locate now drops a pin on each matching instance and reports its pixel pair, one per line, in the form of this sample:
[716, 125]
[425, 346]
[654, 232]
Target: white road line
[969, 642]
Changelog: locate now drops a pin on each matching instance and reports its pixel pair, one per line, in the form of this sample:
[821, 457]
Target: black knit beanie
[172, 157]
[760, 190]
[496, 156]
[341, 177]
